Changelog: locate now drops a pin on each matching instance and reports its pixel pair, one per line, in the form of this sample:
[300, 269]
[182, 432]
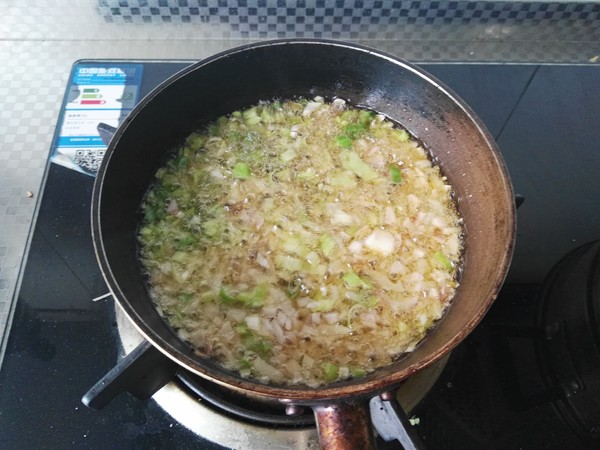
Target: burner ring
[263, 413]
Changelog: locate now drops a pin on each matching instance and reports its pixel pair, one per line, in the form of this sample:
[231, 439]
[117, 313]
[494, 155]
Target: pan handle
[392, 423]
[142, 372]
[344, 425]
[347, 424]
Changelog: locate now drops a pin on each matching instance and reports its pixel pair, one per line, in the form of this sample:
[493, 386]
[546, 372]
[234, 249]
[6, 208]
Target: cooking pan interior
[241, 78]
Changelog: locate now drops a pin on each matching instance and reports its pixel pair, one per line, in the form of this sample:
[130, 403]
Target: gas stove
[498, 389]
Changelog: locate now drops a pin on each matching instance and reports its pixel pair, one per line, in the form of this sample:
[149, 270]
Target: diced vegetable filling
[301, 242]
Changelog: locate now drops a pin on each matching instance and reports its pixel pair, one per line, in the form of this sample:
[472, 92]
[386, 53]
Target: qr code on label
[89, 159]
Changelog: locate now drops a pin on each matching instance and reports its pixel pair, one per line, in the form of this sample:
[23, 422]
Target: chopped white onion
[262, 261]
[355, 246]
[311, 107]
[267, 370]
[253, 322]
[172, 208]
[381, 241]
[390, 216]
[339, 104]
[341, 218]
[217, 174]
[332, 317]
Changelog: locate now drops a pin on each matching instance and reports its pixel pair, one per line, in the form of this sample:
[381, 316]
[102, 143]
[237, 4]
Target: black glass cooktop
[490, 395]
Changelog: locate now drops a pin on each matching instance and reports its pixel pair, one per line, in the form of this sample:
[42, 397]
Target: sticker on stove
[97, 93]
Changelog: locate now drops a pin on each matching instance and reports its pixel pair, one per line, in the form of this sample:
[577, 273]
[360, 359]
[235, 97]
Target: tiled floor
[40, 40]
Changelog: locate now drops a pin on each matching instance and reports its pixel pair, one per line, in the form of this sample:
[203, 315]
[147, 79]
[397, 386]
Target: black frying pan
[286, 69]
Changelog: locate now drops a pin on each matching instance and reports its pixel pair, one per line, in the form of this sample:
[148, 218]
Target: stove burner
[211, 410]
[252, 409]
[568, 347]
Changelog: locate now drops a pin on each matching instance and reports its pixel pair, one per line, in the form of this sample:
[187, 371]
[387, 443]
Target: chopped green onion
[212, 227]
[177, 318]
[327, 244]
[293, 245]
[253, 342]
[307, 174]
[357, 372]
[288, 155]
[180, 257]
[366, 117]
[181, 162]
[195, 141]
[288, 263]
[351, 161]
[353, 281]
[258, 345]
[185, 241]
[441, 258]
[343, 141]
[342, 179]
[403, 136]
[368, 301]
[241, 171]
[395, 173]
[331, 371]
[151, 214]
[254, 299]
[323, 305]
[251, 117]
[414, 420]
[347, 115]
[185, 298]
[245, 364]
[226, 298]
[353, 130]
[242, 329]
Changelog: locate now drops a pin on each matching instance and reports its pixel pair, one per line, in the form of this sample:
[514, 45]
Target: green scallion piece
[403, 136]
[351, 161]
[241, 171]
[255, 298]
[258, 345]
[344, 141]
[357, 372]
[331, 371]
[195, 141]
[395, 173]
[245, 364]
[353, 281]
[366, 117]
[185, 242]
[443, 261]
[226, 298]
[327, 244]
[324, 305]
[342, 179]
[185, 298]
[251, 116]
[353, 130]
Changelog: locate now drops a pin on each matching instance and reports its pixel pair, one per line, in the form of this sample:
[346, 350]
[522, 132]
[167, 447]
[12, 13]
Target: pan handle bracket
[141, 373]
[392, 423]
